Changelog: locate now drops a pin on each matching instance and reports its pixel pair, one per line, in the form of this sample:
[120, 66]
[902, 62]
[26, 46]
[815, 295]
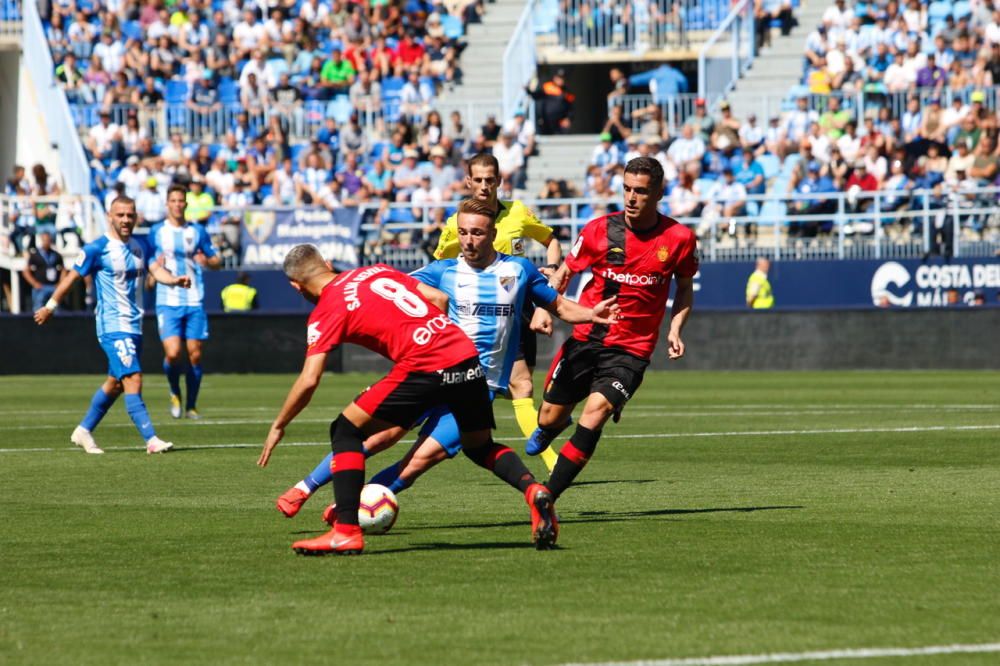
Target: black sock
[573, 458]
[554, 431]
[503, 462]
[348, 467]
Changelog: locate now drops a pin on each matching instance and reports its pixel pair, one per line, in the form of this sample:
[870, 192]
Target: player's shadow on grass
[615, 516]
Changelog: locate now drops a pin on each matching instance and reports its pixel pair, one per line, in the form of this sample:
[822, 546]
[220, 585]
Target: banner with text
[266, 236]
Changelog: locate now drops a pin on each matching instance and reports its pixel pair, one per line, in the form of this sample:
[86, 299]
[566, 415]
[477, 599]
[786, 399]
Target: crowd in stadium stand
[365, 78]
[894, 98]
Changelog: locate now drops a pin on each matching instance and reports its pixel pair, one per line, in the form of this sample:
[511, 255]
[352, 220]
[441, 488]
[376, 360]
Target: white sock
[301, 485]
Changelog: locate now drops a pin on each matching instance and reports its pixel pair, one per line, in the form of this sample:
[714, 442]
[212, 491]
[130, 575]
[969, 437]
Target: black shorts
[582, 368]
[403, 395]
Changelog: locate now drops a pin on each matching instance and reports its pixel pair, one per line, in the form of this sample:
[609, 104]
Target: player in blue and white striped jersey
[486, 292]
[118, 262]
[185, 249]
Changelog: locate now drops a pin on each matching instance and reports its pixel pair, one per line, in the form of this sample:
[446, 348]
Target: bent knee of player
[596, 412]
[521, 387]
[550, 415]
[194, 352]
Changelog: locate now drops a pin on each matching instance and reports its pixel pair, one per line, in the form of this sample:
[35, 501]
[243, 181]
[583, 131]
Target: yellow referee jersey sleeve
[516, 224]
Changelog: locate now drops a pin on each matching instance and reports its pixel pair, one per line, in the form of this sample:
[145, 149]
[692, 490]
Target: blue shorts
[182, 321]
[441, 425]
[123, 351]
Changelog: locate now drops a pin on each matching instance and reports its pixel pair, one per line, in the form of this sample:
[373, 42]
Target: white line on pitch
[816, 431]
[672, 435]
[824, 655]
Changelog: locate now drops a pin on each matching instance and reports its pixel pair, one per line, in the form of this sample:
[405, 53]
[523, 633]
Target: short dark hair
[177, 187]
[483, 159]
[122, 199]
[648, 166]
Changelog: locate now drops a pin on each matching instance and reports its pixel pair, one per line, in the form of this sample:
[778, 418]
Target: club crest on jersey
[508, 282]
[517, 246]
[312, 334]
[662, 253]
[259, 224]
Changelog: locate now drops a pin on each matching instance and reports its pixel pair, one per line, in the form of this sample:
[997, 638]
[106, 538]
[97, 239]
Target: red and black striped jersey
[637, 268]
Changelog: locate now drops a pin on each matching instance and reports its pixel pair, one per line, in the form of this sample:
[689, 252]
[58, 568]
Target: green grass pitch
[726, 514]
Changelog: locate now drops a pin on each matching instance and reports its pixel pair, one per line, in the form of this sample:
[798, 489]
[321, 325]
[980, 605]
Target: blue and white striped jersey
[487, 303]
[177, 246]
[118, 269]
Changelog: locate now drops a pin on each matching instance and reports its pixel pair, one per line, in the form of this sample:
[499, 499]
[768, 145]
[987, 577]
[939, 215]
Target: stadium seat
[961, 8]
[132, 30]
[176, 92]
[453, 28]
[339, 109]
[229, 92]
[770, 164]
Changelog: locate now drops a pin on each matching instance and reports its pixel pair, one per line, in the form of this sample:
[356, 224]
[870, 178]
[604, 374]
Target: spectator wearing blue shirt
[750, 173]
[815, 185]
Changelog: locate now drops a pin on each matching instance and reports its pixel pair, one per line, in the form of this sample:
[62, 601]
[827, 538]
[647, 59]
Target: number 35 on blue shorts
[123, 351]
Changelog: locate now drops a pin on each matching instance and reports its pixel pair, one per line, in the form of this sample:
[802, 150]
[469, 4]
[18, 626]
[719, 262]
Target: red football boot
[544, 523]
[341, 540]
[291, 501]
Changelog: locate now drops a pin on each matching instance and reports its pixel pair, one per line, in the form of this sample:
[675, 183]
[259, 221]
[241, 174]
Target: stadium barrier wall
[919, 339]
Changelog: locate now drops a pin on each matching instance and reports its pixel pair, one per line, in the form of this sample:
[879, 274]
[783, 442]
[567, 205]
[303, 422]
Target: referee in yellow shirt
[516, 226]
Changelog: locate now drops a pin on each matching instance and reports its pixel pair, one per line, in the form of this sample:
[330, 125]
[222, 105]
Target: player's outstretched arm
[163, 276]
[297, 400]
[683, 302]
[559, 279]
[435, 296]
[43, 313]
[606, 312]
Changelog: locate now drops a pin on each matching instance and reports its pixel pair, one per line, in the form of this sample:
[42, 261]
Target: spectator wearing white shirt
[510, 156]
[838, 16]
[220, 179]
[850, 143]
[282, 185]
[898, 78]
[104, 138]
[523, 129]
[150, 204]
[311, 180]
[239, 198]
[248, 34]
[314, 12]
[686, 198]
[751, 134]
[330, 196]
[133, 176]
[728, 199]
[111, 51]
[606, 154]
[425, 194]
[797, 123]
[257, 65]
[687, 148]
[631, 149]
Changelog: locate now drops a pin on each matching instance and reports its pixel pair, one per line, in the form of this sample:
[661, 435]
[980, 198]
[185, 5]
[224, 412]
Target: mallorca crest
[259, 224]
[508, 282]
[662, 253]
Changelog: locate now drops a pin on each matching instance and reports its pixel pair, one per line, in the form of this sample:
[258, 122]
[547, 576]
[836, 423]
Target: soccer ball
[378, 510]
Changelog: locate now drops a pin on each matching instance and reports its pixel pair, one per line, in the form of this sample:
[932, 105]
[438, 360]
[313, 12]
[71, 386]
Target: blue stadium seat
[961, 8]
[339, 109]
[295, 152]
[770, 164]
[453, 28]
[176, 92]
[399, 215]
[278, 66]
[229, 92]
[132, 30]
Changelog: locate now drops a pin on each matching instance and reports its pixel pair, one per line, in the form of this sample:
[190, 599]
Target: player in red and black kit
[393, 314]
[633, 256]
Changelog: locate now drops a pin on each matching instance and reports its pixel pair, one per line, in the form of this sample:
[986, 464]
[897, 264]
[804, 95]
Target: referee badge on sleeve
[517, 246]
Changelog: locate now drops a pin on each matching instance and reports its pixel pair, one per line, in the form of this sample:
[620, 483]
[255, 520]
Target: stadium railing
[587, 25]
[73, 220]
[519, 64]
[303, 120]
[872, 225]
[728, 53]
[52, 101]
[678, 108]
